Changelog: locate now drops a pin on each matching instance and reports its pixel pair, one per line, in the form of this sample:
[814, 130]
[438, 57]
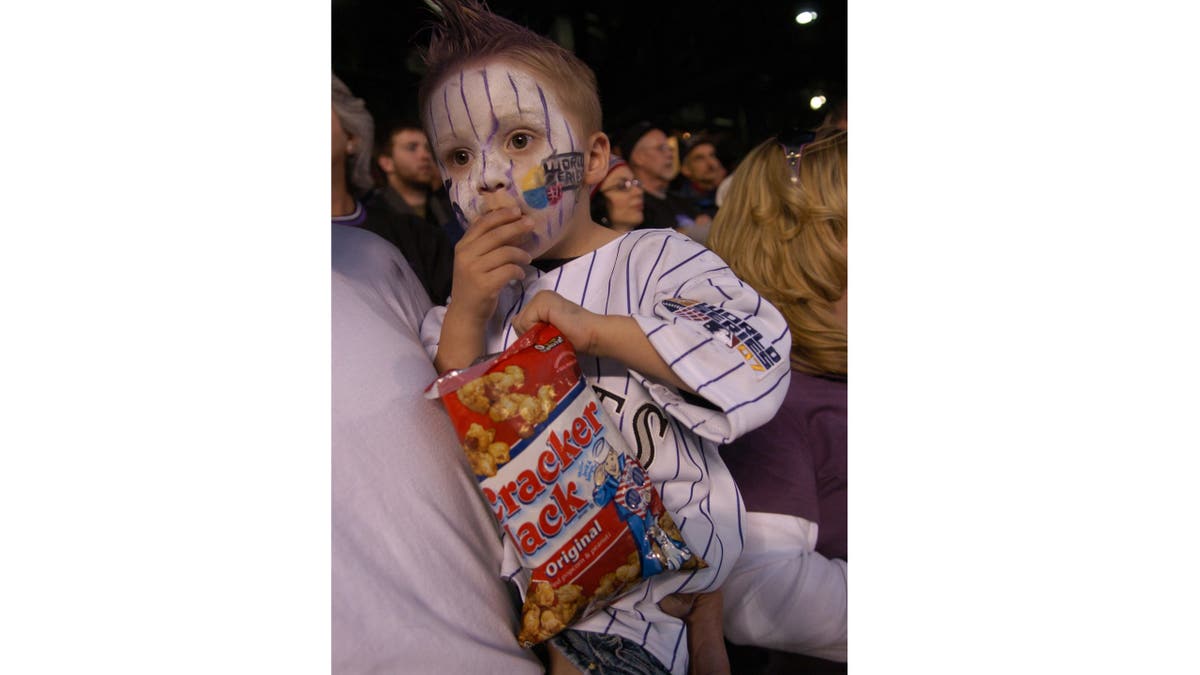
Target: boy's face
[502, 137]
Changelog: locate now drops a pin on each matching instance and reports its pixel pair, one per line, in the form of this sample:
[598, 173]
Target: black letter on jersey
[643, 431]
[605, 394]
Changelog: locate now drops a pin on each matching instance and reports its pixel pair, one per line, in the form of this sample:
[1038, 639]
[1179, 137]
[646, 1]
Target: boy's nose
[492, 175]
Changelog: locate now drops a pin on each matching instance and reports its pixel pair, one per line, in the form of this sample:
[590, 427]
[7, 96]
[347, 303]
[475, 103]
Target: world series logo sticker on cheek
[583, 515]
[543, 185]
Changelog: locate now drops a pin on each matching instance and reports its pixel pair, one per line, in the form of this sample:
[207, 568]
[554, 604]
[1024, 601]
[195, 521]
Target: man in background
[405, 161]
[701, 172]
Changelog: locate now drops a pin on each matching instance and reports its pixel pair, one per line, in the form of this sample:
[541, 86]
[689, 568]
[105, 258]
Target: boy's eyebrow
[523, 119]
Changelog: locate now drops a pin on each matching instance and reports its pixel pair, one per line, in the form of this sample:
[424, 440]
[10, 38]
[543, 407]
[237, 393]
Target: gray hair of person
[357, 123]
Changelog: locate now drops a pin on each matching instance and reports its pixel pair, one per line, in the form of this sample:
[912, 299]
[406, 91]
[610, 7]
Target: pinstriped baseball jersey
[720, 337]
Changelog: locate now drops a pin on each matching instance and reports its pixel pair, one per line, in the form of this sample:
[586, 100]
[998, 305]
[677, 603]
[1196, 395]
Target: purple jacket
[796, 463]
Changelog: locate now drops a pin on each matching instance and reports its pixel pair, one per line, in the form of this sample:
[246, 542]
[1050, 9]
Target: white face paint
[502, 138]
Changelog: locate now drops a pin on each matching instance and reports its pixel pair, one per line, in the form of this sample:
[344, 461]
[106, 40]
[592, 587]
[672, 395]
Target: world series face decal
[729, 330]
[543, 185]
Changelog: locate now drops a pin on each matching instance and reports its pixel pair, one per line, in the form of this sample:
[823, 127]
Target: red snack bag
[560, 480]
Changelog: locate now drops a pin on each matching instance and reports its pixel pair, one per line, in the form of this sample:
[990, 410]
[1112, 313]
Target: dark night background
[740, 70]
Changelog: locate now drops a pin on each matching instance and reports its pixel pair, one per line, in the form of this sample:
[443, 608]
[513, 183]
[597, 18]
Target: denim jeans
[607, 654]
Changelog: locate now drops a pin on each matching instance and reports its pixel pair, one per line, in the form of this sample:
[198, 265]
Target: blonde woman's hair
[357, 123]
[467, 31]
[788, 241]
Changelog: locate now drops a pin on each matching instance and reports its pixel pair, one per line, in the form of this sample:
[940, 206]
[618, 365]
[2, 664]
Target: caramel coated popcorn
[493, 394]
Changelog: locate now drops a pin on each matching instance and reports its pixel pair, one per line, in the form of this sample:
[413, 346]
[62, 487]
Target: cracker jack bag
[585, 520]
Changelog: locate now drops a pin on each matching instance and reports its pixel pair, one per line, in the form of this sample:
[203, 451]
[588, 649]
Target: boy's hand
[575, 323]
[603, 335]
[486, 258]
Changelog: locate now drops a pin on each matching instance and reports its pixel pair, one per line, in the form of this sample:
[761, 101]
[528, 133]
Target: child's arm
[608, 336]
[485, 259]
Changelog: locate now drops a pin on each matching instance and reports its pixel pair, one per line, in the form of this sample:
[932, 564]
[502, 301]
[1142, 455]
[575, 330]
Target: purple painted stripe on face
[546, 114]
[483, 167]
[446, 104]
[515, 92]
[570, 136]
[463, 93]
[492, 108]
[508, 172]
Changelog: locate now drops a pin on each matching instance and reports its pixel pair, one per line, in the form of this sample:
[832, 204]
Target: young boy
[515, 124]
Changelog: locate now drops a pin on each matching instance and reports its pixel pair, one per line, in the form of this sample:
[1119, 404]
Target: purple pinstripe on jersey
[694, 348]
[719, 377]
[679, 639]
[785, 332]
[695, 255]
[656, 330]
[651, 271]
[725, 295]
[611, 274]
[588, 279]
[760, 396]
[613, 618]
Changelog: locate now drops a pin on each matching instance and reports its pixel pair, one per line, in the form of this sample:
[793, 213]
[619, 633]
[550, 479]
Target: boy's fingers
[504, 255]
[490, 221]
[502, 275]
[515, 233]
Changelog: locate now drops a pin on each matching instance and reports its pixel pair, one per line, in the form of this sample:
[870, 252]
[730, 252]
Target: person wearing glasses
[617, 200]
[782, 229]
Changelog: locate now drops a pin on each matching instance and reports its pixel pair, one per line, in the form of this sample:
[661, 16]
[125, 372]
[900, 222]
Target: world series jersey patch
[729, 330]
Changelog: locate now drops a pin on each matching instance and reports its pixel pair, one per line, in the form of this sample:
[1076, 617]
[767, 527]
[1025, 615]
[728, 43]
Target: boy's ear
[597, 159]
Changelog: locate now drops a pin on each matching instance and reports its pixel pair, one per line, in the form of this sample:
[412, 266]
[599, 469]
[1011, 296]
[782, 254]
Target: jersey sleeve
[431, 329]
[784, 595]
[719, 336]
